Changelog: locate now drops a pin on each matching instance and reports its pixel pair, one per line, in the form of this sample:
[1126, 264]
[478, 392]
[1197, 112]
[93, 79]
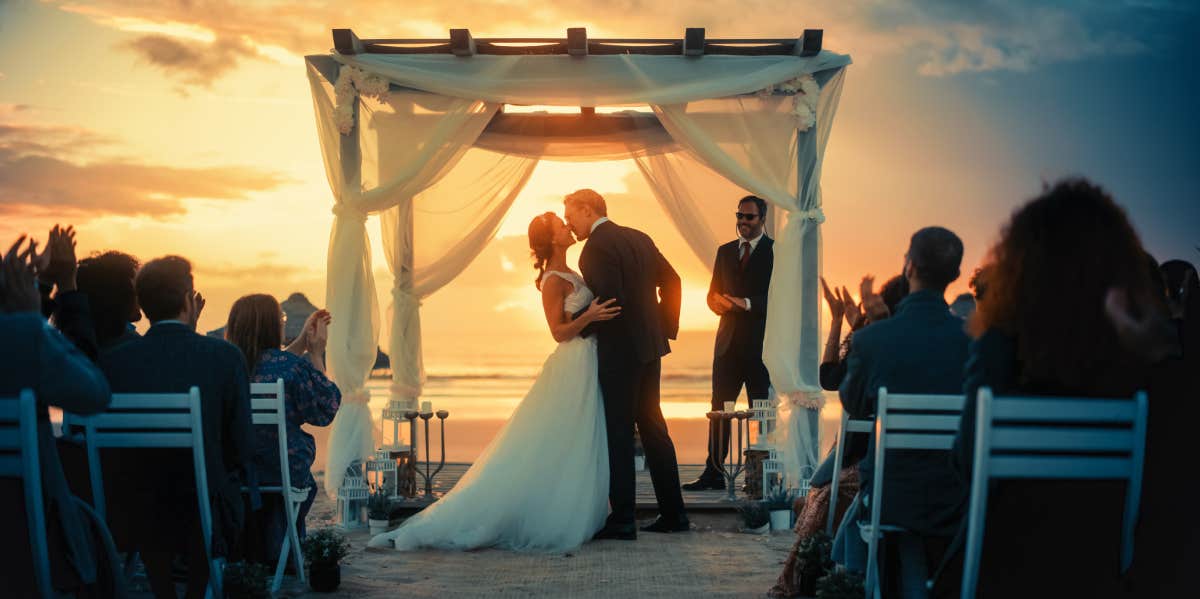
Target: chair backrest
[848, 425]
[268, 408]
[1055, 438]
[907, 421]
[151, 420]
[19, 459]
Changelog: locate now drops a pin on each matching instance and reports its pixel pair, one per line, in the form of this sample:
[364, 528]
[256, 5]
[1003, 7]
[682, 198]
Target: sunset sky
[187, 128]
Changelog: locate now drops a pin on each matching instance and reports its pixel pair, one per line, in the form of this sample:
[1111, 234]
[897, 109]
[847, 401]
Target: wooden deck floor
[694, 500]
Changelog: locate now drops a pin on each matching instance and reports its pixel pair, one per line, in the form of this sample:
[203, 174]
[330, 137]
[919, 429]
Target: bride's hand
[598, 310]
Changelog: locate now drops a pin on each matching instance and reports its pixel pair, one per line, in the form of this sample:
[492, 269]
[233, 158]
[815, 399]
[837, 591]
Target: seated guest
[833, 362]
[920, 349]
[255, 326]
[155, 508]
[1043, 330]
[107, 280]
[34, 356]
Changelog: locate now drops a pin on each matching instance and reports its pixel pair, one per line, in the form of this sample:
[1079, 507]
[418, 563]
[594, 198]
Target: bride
[542, 483]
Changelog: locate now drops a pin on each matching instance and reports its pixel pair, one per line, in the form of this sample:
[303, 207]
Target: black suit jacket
[171, 358]
[739, 330]
[623, 263]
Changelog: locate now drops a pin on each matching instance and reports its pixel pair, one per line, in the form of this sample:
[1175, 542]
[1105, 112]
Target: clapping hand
[854, 313]
[316, 331]
[719, 303]
[17, 290]
[837, 306]
[1147, 334]
[872, 303]
[197, 301]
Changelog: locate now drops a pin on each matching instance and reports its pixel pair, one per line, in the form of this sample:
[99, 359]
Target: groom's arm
[602, 273]
[670, 293]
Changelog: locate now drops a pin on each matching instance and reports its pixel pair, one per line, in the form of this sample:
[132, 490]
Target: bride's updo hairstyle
[541, 244]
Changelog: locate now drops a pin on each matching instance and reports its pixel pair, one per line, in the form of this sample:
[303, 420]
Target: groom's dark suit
[623, 263]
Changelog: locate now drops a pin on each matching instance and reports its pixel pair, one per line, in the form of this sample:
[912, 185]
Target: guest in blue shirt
[255, 326]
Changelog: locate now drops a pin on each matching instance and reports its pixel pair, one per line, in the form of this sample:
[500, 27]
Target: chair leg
[283, 557]
[297, 554]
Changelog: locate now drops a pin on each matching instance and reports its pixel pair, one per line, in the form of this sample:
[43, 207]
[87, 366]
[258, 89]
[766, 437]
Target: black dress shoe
[704, 484]
[620, 533]
[661, 524]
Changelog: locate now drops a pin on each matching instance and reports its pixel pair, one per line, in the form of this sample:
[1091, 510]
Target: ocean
[480, 379]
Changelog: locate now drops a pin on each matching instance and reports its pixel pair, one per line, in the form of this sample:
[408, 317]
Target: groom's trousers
[631, 398]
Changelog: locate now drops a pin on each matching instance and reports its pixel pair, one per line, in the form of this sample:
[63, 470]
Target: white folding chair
[1054, 438]
[267, 408]
[849, 425]
[19, 459]
[924, 422]
[156, 420]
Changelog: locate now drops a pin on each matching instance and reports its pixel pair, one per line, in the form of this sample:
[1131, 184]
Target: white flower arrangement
[805, 92]
[351, 83]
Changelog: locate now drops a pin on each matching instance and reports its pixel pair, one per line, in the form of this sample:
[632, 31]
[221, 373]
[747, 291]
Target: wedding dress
[542, 483]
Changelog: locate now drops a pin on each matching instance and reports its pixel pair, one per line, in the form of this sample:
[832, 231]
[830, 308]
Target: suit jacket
[171, 358]
[739, 330]
[623, 263]
[35, 356]
[922, 349]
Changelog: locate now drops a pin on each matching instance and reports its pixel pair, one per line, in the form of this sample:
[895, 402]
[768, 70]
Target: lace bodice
[578, 299]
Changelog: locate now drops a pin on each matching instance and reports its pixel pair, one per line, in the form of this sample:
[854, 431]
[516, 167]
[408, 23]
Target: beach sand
[713, 560]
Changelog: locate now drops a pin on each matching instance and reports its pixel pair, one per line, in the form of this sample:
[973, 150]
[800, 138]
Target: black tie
[745, 259]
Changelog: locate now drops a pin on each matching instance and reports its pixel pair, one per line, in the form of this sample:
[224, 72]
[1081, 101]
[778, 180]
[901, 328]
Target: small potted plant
[378, 511]
[840, 584]
[245, 580]
[323, 552]
[779, 503]
[814, 557]
[755, 518]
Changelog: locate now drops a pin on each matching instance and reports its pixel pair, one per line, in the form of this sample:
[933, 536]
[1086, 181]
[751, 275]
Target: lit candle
[426, 407]
[729, 406]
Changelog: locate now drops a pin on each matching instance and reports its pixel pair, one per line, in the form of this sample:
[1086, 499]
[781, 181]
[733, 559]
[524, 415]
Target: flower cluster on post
[352, 82]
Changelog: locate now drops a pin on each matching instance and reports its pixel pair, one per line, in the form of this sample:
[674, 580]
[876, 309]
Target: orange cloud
[41, 174]
[196, 63]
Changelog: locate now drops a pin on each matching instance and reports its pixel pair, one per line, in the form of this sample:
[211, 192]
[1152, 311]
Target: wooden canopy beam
[694, 43]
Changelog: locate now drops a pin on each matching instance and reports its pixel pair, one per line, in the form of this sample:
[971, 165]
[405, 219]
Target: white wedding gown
[542, 483]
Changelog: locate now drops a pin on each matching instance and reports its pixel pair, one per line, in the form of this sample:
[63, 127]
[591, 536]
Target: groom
[623, 263]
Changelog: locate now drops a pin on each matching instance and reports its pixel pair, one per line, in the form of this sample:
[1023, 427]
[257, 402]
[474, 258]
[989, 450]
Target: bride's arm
[562, 327]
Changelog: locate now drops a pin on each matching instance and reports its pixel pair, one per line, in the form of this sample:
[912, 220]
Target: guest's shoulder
[21, 326]
[728, 247]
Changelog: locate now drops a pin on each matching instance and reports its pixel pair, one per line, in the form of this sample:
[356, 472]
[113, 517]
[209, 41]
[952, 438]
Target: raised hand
[197, 307]
[61, 264]
[599, 311]
[17, 290]
[854, 313]
[316, 329]
[837, 306]
[1146, 333]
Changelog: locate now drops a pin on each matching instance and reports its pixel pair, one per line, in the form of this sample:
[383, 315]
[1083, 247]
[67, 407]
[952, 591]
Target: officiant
[738, 294]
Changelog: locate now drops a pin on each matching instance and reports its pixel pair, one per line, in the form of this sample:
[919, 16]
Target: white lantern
[352, 497]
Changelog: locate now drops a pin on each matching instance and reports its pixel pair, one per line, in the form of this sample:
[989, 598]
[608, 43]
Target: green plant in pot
[323, 552]
[814, 556]
[379, 508]
[840, 584]
[779, 504]
[756, 518]
[245, 580]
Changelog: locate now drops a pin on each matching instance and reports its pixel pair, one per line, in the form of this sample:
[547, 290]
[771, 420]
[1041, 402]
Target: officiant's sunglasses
[746, 216]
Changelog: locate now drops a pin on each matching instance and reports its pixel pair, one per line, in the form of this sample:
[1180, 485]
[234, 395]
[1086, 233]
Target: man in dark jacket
[921, 349]
[738, 294]
[155, 510]
[36, 357]
[624, 264]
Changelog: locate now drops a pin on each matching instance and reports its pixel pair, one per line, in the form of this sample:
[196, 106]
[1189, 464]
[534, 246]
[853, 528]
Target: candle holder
[735, 466]
[442, 415]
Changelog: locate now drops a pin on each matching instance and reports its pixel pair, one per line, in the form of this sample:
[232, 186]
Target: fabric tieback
[344, 210]
[745, 251]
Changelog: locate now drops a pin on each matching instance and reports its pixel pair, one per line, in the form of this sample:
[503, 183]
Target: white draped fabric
[608, 80]
[401, 159]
